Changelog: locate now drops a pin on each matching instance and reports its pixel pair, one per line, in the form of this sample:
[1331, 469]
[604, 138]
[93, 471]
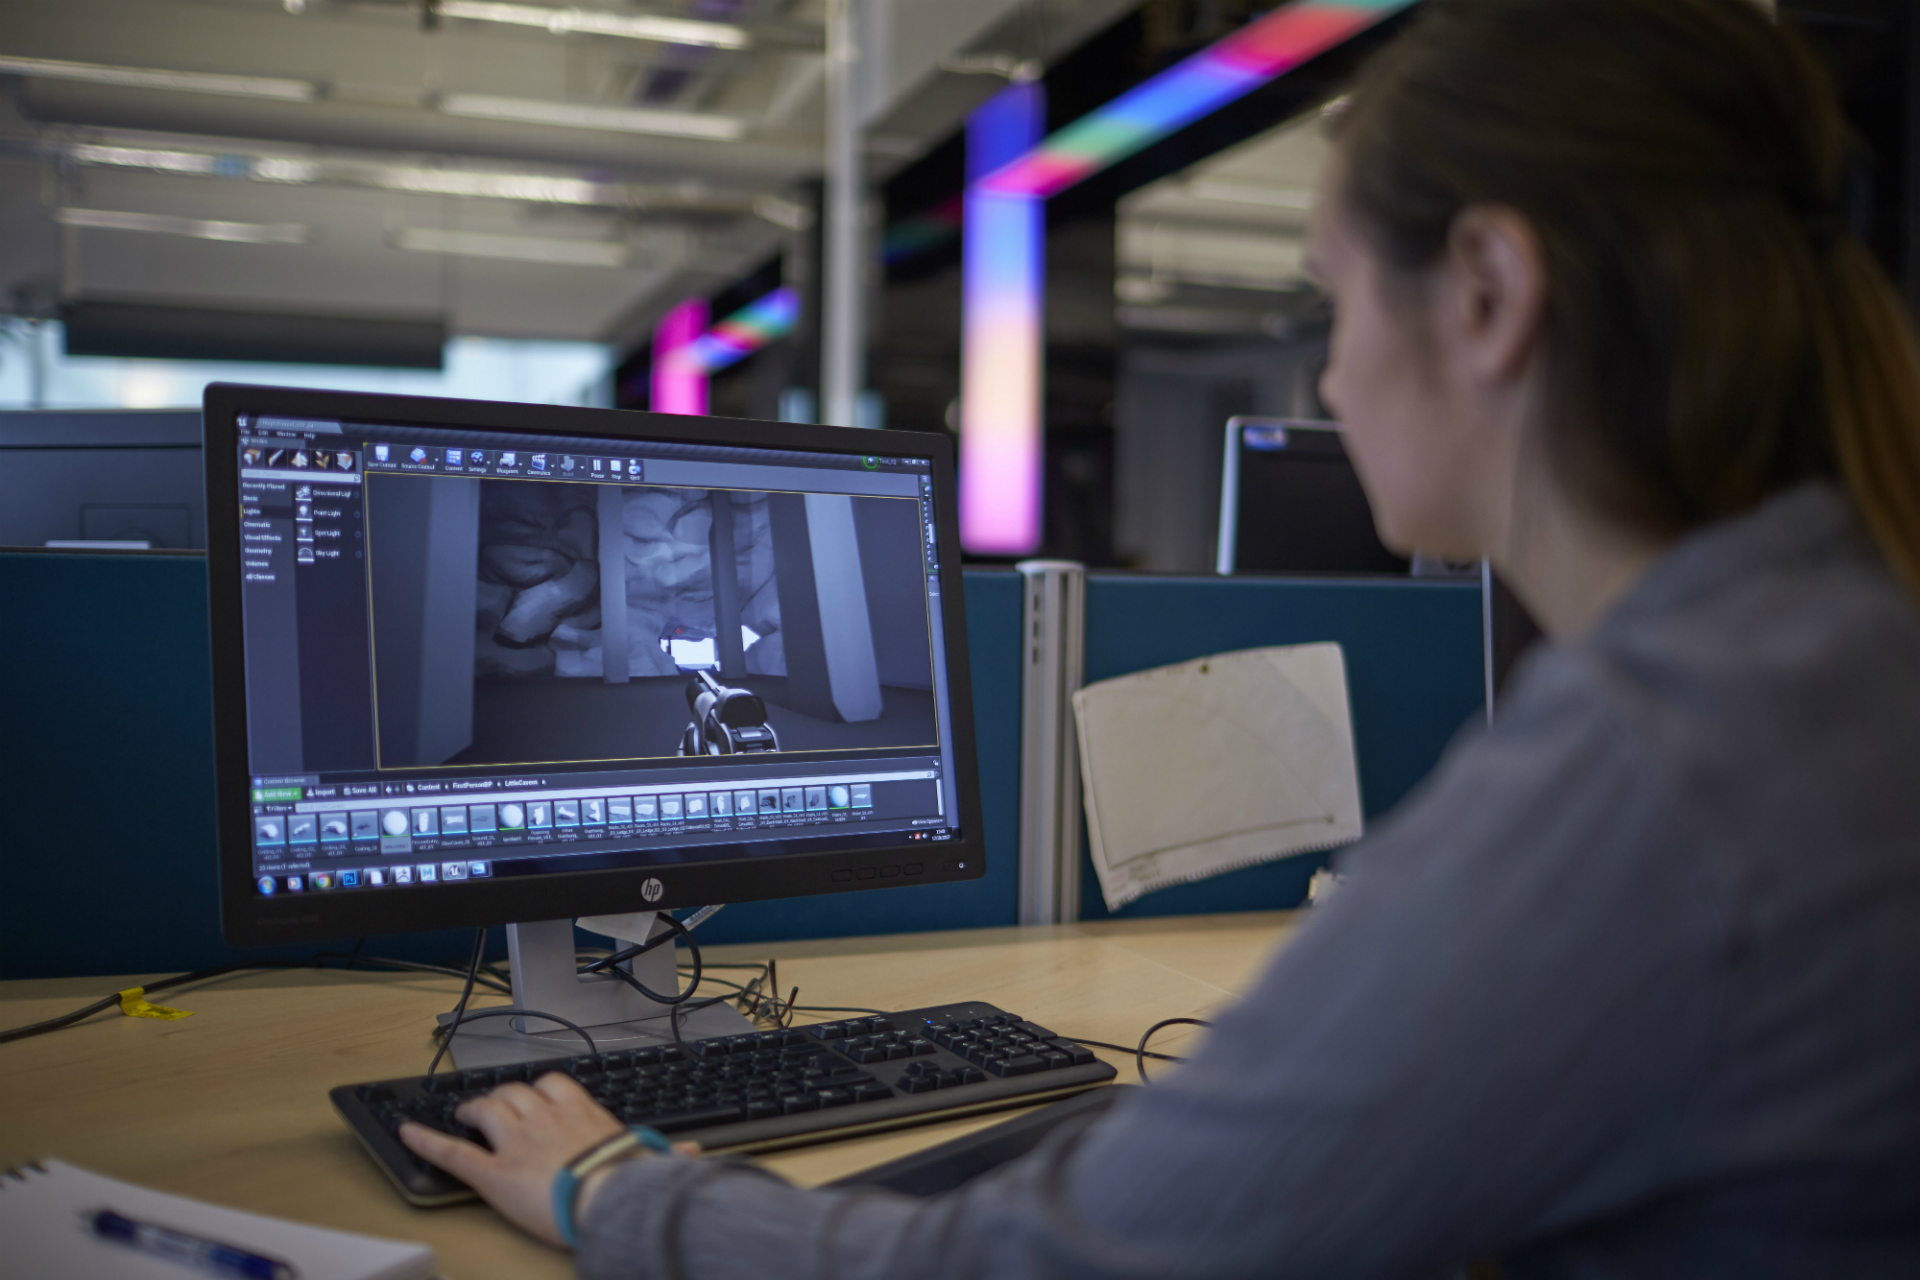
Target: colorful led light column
[1002, 295]
[770, 316]
[1001, 450]
[679, 384]
[1223, 72]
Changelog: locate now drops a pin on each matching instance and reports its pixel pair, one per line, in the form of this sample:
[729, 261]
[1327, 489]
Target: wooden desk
[230, 1105]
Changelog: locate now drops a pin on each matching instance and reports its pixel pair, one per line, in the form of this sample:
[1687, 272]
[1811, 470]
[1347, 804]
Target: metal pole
[843, 358]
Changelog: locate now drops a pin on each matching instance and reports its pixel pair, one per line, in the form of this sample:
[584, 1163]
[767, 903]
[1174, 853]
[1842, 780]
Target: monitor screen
[479, 662]
[1292, 503]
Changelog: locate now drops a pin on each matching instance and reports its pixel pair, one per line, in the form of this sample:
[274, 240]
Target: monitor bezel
[249, 919]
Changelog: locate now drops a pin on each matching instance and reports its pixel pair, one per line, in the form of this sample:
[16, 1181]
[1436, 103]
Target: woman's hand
[535, 1130]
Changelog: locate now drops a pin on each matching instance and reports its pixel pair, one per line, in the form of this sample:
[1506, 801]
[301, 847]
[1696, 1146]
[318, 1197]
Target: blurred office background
[554, 202]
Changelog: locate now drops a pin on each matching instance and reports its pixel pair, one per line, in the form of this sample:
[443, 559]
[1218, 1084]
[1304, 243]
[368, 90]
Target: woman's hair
[1713, 331]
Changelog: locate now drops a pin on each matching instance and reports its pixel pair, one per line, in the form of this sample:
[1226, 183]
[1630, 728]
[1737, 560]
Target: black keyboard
[758, 1091]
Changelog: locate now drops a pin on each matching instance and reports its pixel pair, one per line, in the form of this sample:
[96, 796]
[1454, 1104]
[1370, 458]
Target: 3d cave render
[536, 622]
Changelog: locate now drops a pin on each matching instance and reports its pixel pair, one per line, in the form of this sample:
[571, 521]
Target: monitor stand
[546, 977]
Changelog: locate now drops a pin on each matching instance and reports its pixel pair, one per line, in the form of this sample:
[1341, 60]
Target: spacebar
[695, 1119]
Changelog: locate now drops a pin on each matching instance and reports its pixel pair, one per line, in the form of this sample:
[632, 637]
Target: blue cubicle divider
[1414, 678]
[107, 861]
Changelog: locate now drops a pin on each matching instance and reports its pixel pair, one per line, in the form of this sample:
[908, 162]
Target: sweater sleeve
[1494, 1029]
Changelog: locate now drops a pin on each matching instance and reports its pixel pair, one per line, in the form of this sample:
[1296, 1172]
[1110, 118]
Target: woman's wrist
[590, 1187]
[588, 1169]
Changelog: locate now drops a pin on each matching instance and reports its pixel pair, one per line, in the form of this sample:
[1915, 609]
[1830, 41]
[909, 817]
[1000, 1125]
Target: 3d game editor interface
[479, 654]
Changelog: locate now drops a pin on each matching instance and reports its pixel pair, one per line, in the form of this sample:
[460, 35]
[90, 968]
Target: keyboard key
[921, 1084]
[834, 1097]
[872, 1091]
[699, 1119]
[803, 1102]
[1024, 1064]
[1076, 1054]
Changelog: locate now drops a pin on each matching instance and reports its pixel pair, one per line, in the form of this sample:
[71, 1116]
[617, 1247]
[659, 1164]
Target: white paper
[1215, 764]
[41, 1223]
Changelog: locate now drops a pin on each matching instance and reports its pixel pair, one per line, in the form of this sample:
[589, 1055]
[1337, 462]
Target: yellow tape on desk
[134, 1007]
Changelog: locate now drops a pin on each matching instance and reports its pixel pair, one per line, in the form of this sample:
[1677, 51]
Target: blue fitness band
[566, 1183]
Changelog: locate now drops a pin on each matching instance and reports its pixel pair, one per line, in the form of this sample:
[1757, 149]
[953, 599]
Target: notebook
[45, 1210]
[1215, 764]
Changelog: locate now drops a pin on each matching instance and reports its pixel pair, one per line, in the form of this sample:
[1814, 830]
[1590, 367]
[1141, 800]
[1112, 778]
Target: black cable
[415, 966]
[107, 1002]
[1140, 1052]
[460, 1010]
[674, 929]
[1120, 1048]
[506, 1012]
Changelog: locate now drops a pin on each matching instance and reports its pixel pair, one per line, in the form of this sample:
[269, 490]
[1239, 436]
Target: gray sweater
[1629, 987]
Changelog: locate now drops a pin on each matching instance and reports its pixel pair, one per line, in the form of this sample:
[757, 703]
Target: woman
[1631, 987]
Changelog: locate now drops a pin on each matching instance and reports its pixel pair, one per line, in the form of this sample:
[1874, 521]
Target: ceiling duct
[110, 327]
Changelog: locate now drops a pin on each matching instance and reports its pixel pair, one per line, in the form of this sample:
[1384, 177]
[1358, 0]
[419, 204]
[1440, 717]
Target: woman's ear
[1494, 299]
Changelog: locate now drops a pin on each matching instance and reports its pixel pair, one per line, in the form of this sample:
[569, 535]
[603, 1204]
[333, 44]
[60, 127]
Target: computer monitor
[485, 664]
[1291, 503]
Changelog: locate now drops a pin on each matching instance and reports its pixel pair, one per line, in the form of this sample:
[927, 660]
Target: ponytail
[1713, 335]
[1870, 367]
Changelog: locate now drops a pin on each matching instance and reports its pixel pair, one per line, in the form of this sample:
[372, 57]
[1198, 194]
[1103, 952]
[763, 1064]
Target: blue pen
[192, 1251]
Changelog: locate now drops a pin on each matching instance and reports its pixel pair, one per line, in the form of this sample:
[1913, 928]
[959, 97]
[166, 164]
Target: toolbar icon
[381, 452]
[538, 463]
[508, 458]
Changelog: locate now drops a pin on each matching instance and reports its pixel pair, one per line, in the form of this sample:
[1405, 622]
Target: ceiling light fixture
[570, 115]
[497, 184]
[148, 78]
[156, 158]
[546, 249]
[194, 228]
[598, 22]
[1231, 192]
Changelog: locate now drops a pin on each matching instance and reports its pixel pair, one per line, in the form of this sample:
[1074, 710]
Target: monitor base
[494, 1043]
[546, 978]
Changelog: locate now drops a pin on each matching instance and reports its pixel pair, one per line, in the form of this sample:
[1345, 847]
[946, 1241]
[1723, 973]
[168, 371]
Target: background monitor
[483, 663]
[101, 476]
[1291, 503]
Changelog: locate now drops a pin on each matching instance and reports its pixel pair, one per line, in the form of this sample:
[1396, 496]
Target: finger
[686, 1148]
[491, 1113]
[520, 1098]
[559, 1087]
[464, 1160]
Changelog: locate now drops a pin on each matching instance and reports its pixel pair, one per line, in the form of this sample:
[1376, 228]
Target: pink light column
[679, 383]
[1002, 450]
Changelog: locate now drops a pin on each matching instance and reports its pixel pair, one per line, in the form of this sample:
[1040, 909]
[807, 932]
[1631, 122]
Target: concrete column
[844, 339]
[832, 673]
[448, 602]
[613, 584]
[846, 632]
[726, 588]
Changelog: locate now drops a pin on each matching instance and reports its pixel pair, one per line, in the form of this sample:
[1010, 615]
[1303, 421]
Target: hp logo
[652, 890]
